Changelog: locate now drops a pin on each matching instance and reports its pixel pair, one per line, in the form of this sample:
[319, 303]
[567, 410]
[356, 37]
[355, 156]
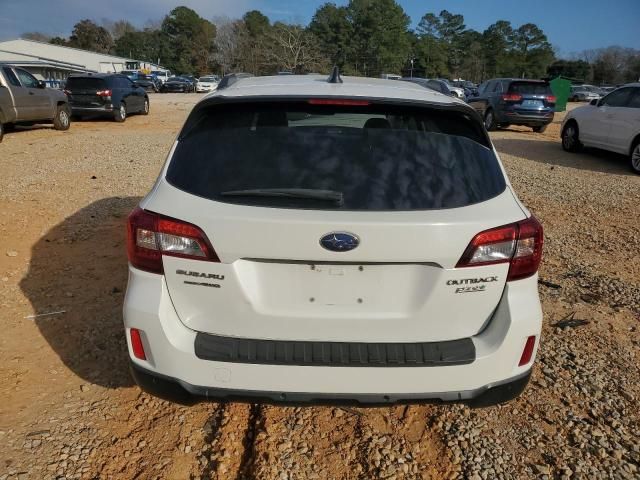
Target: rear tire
[490, 121]
[62, 120]
[1, 131]
[145, 107]
[571, 137]
[635, 157]
[540, 128]
[120, 115]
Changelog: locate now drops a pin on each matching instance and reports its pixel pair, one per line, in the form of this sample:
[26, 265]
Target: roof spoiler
[335, 76]
[232, 78]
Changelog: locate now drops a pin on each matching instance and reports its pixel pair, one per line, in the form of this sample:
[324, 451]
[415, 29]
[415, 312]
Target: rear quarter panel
[7, 108]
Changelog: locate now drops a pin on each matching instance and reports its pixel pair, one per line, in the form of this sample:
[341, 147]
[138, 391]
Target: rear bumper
[180, 392]
[80, 109]
[174, 89]
[493, 376]
[518, 118]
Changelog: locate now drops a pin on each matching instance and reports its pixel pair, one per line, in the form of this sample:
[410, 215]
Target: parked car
[177, 84]
[25, 100]
[148, 82]
[110, 94]
[456, 91]
[514, 101]
[582, 93]
[470, 88]
[192, 80]
[345, 241]
[435, 85]
[161, 75]
[611, 123]
[207, 84]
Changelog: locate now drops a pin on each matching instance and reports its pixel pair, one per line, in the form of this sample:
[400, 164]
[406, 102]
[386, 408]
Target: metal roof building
[55, 62]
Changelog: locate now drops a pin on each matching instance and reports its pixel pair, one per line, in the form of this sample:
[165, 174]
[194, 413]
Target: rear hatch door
[83, 91]
[534, 97]
[413, 197]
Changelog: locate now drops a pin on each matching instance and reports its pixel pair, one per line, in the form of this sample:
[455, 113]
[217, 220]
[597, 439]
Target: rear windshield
[85, 83]
[376, 157]
[530, 88]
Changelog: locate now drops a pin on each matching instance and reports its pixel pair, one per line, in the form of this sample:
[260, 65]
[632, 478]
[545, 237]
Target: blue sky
[571, 25]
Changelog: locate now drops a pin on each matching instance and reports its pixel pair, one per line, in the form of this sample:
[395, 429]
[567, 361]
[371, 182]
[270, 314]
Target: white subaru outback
[350, 241]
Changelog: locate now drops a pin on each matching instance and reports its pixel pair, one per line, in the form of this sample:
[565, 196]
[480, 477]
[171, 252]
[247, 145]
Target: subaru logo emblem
[339, 241]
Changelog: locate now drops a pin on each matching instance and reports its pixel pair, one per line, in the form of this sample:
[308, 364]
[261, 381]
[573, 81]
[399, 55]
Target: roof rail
[335, 76]
[232, 78]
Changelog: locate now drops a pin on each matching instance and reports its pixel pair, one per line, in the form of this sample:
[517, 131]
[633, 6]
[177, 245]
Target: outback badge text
[475, 284]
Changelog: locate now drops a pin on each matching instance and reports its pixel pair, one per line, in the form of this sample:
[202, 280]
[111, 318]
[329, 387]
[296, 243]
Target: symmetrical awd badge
[339, 241]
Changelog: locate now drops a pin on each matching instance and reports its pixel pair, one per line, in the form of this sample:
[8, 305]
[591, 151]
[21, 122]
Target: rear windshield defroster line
[380, 157]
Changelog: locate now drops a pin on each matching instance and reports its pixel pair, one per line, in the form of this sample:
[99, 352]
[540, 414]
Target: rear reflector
[338, 101]
[149, 236]
[519, 244]
[528, 351]
[136, 344]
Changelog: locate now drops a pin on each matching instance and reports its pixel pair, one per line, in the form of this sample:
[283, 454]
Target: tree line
[365, 37]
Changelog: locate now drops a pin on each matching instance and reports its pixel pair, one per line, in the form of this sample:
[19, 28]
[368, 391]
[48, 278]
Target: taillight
[511, 97]
[103, 93]
[67, 92]
[551, 98]
[519, 244]
[338, 101]
[149, 236]
[526, 258]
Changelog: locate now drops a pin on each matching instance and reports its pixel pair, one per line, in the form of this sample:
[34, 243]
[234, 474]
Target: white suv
[313, 240]
[611, 123]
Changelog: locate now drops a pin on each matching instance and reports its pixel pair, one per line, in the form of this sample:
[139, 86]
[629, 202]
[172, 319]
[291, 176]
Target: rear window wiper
[303, 193]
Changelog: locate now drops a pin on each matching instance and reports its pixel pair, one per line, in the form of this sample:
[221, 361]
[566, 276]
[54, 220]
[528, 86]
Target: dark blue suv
[513, 101]
[106, 94]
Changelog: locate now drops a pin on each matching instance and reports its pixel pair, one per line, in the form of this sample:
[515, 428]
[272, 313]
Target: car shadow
[551, 153]
[93, 117]
[80, 267]
[17, 129]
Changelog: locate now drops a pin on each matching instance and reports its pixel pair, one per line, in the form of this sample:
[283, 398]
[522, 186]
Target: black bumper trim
[180, 392]
[334, 354]
[79, 109]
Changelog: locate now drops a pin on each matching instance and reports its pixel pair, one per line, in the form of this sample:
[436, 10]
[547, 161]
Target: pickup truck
[25, 100]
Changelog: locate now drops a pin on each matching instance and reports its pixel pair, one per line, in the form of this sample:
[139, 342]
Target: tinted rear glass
[379, 157]
[85, 83]
[530, 88]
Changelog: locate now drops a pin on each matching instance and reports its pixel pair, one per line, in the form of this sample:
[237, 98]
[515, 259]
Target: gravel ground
[70, 409]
